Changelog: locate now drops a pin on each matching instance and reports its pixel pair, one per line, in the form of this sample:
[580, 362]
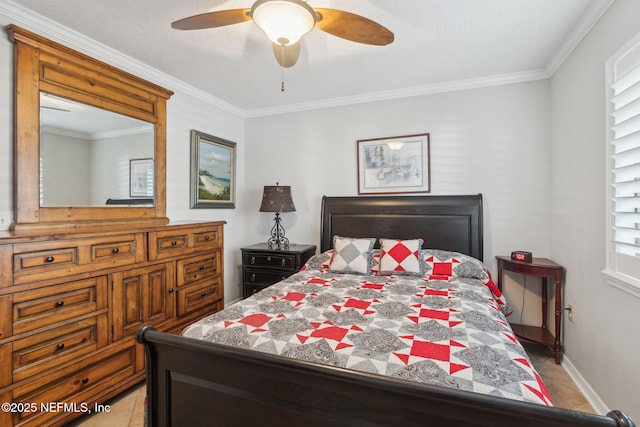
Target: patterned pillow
[401, 257]
[351, 255]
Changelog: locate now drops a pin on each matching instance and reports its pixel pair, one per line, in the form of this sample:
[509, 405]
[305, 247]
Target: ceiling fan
[286, 21]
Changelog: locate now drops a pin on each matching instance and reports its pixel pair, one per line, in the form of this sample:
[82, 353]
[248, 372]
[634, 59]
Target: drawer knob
[202, 267]
[50, 259]
[253, 277]
[174, 243]
[204, 294]
[253, 260]
[171, 290]
[115, 250]
[60, 346]
[282, 262]
[60, 303]
[269, 258]
[85, 380]
[206, 238]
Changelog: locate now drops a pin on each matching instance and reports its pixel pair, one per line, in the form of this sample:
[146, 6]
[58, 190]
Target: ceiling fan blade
[287, 56]
[212, 19]
[352, 27]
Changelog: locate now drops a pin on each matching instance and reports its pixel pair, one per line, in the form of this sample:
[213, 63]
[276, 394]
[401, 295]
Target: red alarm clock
[523, 256]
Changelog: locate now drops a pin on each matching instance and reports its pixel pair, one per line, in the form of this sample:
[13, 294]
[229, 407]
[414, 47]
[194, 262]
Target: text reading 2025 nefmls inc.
[55, 407]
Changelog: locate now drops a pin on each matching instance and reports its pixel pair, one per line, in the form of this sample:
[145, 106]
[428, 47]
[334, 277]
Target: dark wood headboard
[444, 222]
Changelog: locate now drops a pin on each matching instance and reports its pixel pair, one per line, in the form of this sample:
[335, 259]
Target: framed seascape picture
[141, 178]
[213, 171]
[398, 164]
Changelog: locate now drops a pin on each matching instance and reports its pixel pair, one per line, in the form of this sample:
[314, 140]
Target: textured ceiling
[436, 42]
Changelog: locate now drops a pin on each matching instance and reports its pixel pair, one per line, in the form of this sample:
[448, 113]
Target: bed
[361, 338]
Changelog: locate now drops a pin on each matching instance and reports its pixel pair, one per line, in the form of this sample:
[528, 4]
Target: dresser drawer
[211, 239]
[268, 260]
[25, 263]
[171, 242]
[57, 258]
[183, 241]
[113, 251]
[44, 306]
[191, 270]
[49, 349]
[199, 295]
[73, 385]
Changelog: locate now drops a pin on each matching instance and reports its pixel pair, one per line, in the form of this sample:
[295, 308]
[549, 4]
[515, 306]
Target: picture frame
[213, 171]
[141, 178]
[397, 164]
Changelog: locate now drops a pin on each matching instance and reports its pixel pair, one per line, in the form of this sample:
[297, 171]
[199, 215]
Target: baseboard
[589, 393]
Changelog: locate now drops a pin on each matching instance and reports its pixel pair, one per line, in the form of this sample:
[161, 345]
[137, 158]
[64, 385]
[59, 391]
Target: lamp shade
[283, 21]
[277, 198]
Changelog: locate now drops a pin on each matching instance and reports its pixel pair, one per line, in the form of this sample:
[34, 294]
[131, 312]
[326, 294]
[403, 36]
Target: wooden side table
[262, 266]
[545, 268]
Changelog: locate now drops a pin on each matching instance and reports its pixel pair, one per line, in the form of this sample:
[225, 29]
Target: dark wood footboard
[196, 383]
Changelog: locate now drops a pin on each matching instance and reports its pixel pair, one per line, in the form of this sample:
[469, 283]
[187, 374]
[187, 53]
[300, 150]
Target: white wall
[602, 342]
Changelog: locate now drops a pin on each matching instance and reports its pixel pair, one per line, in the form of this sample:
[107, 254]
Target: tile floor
[127, 410]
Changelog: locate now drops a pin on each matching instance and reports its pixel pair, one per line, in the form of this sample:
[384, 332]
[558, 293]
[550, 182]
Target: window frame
[612, 272]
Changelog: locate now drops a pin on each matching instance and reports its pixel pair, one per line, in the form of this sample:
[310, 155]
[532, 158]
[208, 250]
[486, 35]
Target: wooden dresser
[72, 302]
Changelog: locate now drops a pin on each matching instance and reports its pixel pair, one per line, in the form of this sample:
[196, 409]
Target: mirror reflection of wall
[86, 152]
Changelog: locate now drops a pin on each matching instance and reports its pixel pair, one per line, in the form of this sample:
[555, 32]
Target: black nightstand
[262, 266]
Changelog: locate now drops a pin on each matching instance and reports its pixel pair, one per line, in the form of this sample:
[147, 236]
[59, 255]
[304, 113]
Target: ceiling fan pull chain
[282, 68]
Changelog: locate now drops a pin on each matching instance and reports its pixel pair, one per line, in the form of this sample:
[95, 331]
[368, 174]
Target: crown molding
[46, 27]
[579, 32]
[453, 86]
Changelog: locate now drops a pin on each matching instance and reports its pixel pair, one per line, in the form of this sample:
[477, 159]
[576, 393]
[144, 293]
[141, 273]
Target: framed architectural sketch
[213, 171]
[398, 164]
[141, 178]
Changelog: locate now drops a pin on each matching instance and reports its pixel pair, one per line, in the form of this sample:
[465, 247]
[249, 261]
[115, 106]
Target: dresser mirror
[56, 181]
[93, 157]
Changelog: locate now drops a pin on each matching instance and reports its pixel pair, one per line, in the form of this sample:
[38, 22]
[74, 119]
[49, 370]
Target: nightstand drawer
[41, 307]
[263, 266]
[250, 289]
[269, 260]
[262, 277]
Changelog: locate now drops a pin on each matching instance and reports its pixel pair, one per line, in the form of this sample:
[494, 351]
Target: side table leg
[545, 302]
[558, 343]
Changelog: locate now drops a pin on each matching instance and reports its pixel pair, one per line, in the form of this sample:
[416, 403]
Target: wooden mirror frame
[42, 65]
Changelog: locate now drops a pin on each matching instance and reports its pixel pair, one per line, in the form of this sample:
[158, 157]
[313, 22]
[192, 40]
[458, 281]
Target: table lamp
[277, 198]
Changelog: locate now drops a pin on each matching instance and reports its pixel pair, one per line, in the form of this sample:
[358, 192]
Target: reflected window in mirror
[86, 155]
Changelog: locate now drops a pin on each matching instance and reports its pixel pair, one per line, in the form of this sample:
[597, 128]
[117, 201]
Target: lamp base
[277, 239]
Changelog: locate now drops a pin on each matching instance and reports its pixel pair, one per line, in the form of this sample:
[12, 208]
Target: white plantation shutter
[623, 75]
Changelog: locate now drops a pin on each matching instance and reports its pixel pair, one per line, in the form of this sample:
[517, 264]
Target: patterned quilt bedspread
[446, 327]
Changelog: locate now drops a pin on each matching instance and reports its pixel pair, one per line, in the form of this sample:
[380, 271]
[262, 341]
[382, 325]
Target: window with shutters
[623, 168]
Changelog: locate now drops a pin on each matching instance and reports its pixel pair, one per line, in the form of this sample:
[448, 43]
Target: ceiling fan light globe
[283, 21]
